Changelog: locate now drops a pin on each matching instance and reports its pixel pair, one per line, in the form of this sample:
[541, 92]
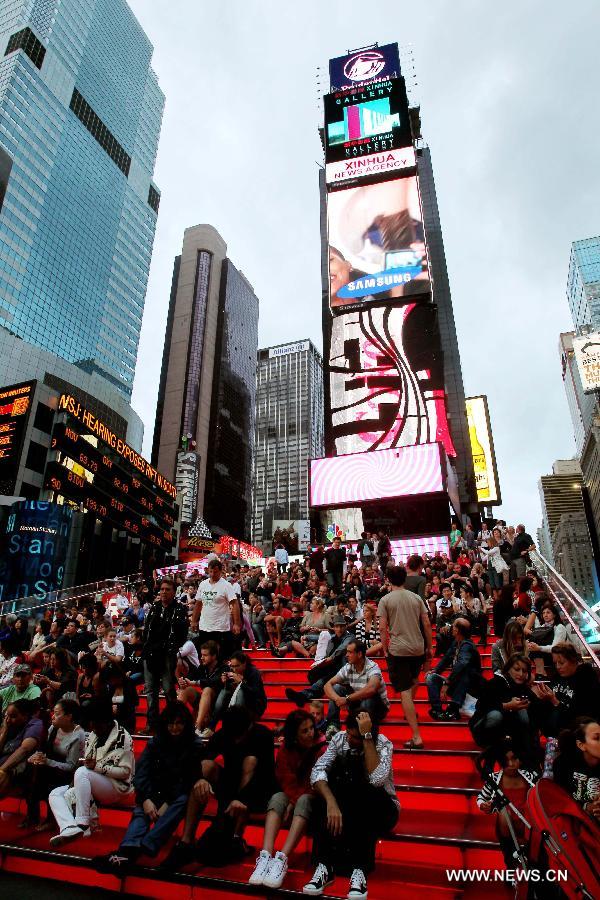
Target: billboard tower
[387, 341]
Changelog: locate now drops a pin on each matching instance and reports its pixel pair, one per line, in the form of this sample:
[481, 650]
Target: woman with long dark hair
[577, 767]
[165, 775]
[55, 763]
[293, 803]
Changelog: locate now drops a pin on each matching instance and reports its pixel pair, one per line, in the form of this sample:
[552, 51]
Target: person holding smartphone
[507, 707]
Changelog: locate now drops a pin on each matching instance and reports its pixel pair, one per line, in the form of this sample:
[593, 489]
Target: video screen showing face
[377, 246]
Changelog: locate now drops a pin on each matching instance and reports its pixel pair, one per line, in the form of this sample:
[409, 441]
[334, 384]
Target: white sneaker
[358, 886]
[205, 734]
[320, 880]
[261, 869]
[277, 871]
[67, 834]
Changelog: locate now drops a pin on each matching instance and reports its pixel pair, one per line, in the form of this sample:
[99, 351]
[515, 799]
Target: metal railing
[583, 624]
[34, 605]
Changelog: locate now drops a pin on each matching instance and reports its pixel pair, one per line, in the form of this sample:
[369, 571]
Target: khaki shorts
[279, 803]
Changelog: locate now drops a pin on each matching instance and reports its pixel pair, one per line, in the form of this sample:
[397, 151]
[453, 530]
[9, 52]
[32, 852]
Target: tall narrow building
[204, 429]
[80, 115]
[288, 432]
[582, 407]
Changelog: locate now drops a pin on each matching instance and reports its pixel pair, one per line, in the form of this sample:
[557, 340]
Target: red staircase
[439, 828]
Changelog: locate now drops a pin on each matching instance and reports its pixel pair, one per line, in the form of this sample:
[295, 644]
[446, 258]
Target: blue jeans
[372, 705]
[151, 839]
[436, 682]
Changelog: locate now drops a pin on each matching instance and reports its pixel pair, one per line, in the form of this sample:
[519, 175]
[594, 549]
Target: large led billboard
[386, 380]
[587, 355]
[368, 120]
[363, 66]
[377, 250]
[388, 163]
[482, 449]
[364, 477]
[15, 408]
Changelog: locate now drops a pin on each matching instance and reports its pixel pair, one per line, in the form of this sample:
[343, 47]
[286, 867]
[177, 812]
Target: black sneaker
[437, 714]
[180, 856]
[357, 889]
[297, 697]
[116, 862]
[320, 880]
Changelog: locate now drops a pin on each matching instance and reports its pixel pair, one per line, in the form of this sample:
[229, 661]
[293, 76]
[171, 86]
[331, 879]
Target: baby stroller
[563, 838]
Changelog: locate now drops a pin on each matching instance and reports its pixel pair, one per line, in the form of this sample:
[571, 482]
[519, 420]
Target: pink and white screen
[381, 474]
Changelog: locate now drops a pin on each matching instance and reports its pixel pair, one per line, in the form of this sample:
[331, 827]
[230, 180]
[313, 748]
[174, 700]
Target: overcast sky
[509, 106]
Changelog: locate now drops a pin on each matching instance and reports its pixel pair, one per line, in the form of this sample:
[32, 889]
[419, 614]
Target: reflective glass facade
[227, 493]
[79, 215]
[288, 432]
[583, 283]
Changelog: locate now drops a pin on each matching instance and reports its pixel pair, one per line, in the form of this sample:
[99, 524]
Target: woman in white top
[112, 649]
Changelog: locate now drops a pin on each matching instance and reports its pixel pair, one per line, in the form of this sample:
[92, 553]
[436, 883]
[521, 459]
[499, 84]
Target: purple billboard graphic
[363, 66]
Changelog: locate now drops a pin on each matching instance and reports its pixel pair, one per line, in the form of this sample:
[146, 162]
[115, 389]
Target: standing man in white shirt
[212, 616]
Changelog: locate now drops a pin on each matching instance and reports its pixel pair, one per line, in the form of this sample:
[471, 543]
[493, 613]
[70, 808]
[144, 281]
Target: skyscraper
[393, 380]
[583, 283]
[288, 432]
[582, 406]
[204, 428]
[80, 115]
[453, 380]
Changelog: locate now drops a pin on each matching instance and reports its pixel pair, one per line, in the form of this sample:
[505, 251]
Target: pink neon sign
[377, 475]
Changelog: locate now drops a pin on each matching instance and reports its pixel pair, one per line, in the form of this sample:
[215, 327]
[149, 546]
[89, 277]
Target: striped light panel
[376, 475]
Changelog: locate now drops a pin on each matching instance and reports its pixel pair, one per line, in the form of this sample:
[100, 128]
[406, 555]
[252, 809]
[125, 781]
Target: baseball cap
[22, 669]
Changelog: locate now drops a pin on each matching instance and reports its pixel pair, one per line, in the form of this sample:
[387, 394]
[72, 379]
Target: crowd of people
[71, 683]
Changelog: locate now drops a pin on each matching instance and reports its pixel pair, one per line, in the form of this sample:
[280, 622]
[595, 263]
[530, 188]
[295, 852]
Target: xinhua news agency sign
[587, 356]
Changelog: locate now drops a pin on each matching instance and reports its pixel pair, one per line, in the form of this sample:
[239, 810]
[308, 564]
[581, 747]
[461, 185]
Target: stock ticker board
[110, 479]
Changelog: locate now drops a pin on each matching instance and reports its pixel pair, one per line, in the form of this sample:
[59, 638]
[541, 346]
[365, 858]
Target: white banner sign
[288, 348]
[373, 164]
[587, 355]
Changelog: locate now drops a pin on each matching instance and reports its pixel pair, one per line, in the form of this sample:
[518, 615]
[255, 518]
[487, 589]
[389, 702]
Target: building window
[44, 418]
[153, 198]
[36, 457]
[26, 40]
[98, 129]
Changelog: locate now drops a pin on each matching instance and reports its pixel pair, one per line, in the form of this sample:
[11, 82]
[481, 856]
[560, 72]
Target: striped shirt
[338, 746]
[348, 674]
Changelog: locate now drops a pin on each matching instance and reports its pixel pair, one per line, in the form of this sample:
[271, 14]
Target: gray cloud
[509, 107]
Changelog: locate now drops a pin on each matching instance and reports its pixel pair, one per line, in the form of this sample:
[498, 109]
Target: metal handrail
[562, 593]
[62, 595]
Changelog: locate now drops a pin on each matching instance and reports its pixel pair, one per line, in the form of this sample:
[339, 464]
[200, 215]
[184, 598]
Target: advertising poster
[186, 480]
[368, 120]
[385, 164]
[587, 355]
[363, 66]
[35, 549]
[15, 407]
[482, 449]
[386, 380]
[295, 535]
[377, 250]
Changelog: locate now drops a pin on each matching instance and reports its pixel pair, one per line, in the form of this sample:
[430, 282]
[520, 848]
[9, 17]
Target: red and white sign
[373, 164]
[376, 475]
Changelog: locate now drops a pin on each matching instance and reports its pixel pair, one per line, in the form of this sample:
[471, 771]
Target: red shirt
[292, 775]
[284, 590]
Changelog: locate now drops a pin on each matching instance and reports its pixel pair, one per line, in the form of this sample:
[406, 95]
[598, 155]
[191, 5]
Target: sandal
[412, 745]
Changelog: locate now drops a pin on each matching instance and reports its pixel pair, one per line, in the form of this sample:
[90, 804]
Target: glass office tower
[80, 114]
[583, 283]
